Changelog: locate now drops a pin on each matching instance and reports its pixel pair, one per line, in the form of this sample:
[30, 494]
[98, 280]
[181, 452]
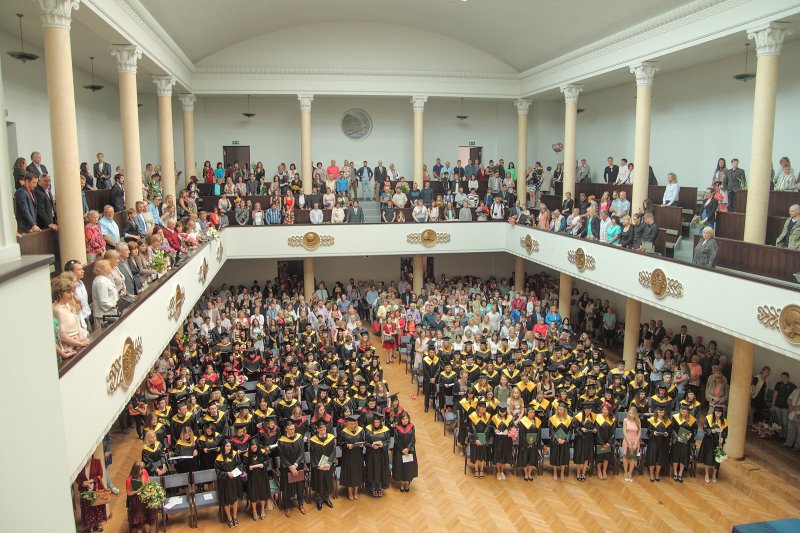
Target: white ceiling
[521, 33]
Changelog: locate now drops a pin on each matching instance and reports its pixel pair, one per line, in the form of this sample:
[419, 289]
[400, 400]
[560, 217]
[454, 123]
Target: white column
[9, 249]
[769, 40]
[166, 143]
[418, 103]
[306, 166]
[189, 160]
[127, 57]
[571, 93]
[645, 72]
[522, 148]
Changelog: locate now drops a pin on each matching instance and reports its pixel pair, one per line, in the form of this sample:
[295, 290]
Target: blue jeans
[366, 189]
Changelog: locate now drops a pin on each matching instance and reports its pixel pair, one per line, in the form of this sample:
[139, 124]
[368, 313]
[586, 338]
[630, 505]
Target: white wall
[699, 114]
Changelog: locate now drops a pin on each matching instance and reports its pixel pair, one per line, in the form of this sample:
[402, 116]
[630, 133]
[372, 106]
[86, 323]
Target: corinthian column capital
[57, 13]
[127, 56]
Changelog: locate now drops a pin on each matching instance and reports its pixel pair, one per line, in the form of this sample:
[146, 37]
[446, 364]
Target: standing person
[780, 405]
[503, 445]
[479, 433]
[560, 427]
[292, 478]
[716, 431]
[790, 234]
[140, 517]
[759, 408]
[256, 461]
[605, 438]
[705, 253]
[660, 430]
[376, 440]
[322, 450]
[404, 457]
[229, 486]
[632, 430]
[529, 428]
[733, 183]
[685, 429]
[91, 478]
[351, 441]
[583, 452]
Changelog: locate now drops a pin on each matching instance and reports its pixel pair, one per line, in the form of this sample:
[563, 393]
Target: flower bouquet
[404, 188]
[188, 242]
[160, 261]
[212, 233]
[152, 495]
[766, 430]
[720, 455]
[89, 495]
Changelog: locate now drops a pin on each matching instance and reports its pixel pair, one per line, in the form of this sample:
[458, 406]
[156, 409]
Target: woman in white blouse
[104, 292]
[671, 191]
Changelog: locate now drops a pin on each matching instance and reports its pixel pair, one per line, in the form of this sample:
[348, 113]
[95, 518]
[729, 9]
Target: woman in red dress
[91, 478]
[389, 337]
[140, 517]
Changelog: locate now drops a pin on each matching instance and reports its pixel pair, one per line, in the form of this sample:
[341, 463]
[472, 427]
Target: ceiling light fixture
[22, 55]
[248, 114]
[745, 76]
[93, 86]
[462, 116]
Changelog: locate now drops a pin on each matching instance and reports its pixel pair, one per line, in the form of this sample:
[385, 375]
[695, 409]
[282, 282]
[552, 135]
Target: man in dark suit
[380, 176]
[118, 193]
[102, 172]
[611, 171]
[354, 215]
[36, 167]
[133, 283]
[25, 205]
[45, 205]
[682, 340]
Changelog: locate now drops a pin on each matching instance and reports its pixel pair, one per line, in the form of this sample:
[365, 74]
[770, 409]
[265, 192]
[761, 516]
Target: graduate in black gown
[208, 446]
[229, 486]
[660, 433]
[256, 463]
[685, 429]
[377, 437]
[503, 445]
[716, 431]
[529, 435]
[185, 452]
[322, 449]
[560, 428]
[585, 431]
[480, 429]
[292, 478]
[153, 455]
[465, 407]
[604, 439]
[404, 455]
[351, 441]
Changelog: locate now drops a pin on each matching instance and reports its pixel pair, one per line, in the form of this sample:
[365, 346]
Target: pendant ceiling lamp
[248, 114]
[462, 116]
[93, 86]
[746, 75]
[21, 54]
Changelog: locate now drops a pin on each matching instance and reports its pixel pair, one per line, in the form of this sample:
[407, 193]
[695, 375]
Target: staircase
[372, 211]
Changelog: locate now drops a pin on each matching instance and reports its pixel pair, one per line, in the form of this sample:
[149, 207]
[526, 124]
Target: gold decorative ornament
[124, 366]
[202, 273]
[310, 241]
[580, 259]
[529, 244]
[176, 303]
[661, 285]
[786, 320]
[219, 251]
[428, 238]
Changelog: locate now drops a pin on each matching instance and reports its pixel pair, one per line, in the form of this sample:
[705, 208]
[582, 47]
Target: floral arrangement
[720, 455]
[152, 495]
[212, 233]
[403, 188]
[482, 210]
[160, 261]
[696, 221]
[188, 242]
[89, 495]
[766, 430]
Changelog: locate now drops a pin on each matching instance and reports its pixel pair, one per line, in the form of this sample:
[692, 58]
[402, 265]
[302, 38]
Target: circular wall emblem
[129, 360]
[356, 124]
[311, 241]
[790, 323]
[658, 283]
[580, 259]
[428, 238]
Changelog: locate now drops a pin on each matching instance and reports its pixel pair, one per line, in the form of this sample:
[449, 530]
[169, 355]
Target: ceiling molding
[327, 71]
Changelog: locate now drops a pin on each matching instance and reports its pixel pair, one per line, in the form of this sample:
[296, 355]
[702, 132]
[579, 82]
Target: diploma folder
[531, 438]
[559, 434]
[481, 437]
[684, 435]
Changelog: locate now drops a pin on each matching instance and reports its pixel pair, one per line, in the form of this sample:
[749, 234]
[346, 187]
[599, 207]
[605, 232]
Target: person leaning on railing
[104, 292]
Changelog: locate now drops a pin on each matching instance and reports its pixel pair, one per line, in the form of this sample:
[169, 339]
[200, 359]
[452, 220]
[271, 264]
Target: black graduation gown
[606, 435]
[430, 369]
[446, 384]
[464, 408]
[502, 443]
[478, 425]
[681, 450]
[711, 440]
[377, 459]
[290, 452]
[185, 449]
[207, 448]
[153, 458]
[352, 460]
[228, 488]
[584, 440]
[404, 437]
[322, 480]
[559, 453]
[529, 446]
[658, 445]
[257, 478]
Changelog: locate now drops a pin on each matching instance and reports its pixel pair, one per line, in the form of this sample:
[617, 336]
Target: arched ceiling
[519, 33]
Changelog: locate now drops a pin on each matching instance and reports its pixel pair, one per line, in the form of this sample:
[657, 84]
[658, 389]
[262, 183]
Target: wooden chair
[207, 498]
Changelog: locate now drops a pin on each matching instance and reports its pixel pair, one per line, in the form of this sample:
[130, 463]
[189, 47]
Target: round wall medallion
[658, 283]
[356, 124]
[428, 238]
[790, 323]
[311, 241]
[129, 360]
[580, 259]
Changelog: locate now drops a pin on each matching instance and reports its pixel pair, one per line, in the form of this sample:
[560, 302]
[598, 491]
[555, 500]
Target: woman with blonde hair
[632, 430]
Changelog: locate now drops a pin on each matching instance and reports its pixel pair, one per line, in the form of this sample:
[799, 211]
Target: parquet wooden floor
[762, 487]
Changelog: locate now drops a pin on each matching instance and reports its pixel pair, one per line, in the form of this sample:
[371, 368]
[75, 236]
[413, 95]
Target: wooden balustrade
[759, 259]
[731, 226]
[779, 202]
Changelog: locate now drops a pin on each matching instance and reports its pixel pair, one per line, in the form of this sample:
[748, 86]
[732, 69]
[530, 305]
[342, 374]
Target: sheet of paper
[172, 502]
[408, 458]
[207, 497]
[236, 472]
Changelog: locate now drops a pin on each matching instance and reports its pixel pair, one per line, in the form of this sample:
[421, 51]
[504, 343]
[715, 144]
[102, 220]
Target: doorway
[407, 267]
[231, 154]
[465, 153]
[290, 271]
[11, 133]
